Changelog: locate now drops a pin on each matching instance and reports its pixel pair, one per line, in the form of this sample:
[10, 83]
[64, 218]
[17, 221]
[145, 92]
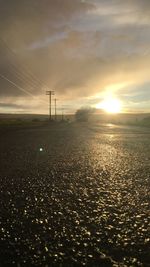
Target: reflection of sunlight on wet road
[121, 178]
[77, 194]
[106, 128]
[110, 136]
[110, 125]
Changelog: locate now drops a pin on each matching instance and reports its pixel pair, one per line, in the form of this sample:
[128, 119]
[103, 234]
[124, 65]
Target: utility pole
[62, 118]
[55, 109]
[50, 93]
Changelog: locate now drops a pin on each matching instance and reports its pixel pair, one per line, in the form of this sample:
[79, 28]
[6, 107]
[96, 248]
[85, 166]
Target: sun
[110, 105]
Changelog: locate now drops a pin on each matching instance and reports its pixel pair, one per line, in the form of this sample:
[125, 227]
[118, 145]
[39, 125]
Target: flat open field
[74, 195]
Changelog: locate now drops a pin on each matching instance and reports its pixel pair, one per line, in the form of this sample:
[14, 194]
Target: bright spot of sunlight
[110, 105]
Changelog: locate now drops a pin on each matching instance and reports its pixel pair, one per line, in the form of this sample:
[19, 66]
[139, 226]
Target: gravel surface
[74, 195]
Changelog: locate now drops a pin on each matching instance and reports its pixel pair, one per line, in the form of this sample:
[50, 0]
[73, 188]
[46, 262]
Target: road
[74, 195]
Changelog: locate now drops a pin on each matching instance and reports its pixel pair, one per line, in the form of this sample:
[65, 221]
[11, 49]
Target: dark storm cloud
[145, 4]
[23, 23]
[11, 105]
[33, 19]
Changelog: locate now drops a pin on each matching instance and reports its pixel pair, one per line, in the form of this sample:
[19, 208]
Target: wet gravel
[75, 195]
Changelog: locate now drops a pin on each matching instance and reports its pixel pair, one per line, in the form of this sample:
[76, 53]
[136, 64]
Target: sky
[84, 50]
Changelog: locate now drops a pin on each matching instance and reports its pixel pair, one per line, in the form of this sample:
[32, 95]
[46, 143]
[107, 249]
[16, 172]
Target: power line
[31, 77]
[20, 88]
[21, 76]
[24, 76]
[55, 109]
[17, 86]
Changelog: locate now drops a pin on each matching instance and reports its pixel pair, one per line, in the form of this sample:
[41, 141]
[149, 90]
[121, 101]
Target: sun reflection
[110, 125]
[111, 136]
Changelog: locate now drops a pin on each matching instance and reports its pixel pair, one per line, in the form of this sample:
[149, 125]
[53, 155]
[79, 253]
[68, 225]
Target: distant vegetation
[20, 122]
[84, 114]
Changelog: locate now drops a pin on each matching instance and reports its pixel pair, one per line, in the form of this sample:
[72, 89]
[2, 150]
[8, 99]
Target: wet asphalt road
[75, 195]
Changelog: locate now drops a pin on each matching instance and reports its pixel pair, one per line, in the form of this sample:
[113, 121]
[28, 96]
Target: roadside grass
[6, 124]
[17, 123]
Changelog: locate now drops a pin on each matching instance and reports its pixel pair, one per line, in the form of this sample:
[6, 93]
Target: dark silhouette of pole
[55, 109]
[62, 117]
[50, 93]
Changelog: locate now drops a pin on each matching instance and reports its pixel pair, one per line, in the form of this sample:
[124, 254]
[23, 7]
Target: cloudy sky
[85, 50]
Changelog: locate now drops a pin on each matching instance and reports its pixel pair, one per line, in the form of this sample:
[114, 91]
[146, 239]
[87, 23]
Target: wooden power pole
[55, 109]
[50, 93]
